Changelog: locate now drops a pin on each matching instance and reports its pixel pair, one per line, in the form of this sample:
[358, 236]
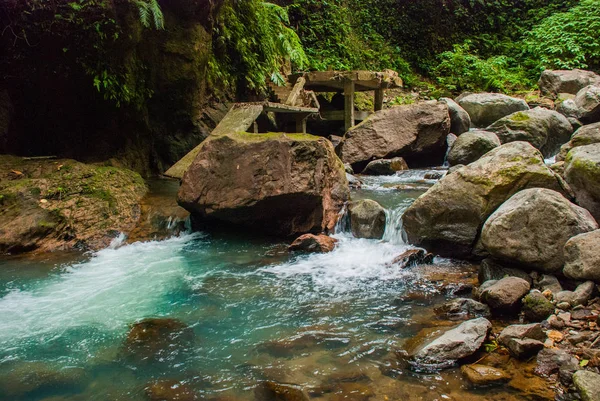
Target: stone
[582, 173]
[582, 257]
[454, 344]
[348, 168]
[283, 184]
[170, 390]
[460, 122]
[587, 384]
[450, 139]
[418, 130]
[491, 269]
[586, 135]
[353, 182]
[553, 82]
[471, 145]
[580, 296]
[545, 129]
[532, 331]
[447, 219]
[525, 348]
[462, 308]
[273, 391]
[505, 295]
[485, 285]
[434, 175]
[536, 307]
[313, 243]
[482, 375]
[555, 323]
[553, 360]
[412, 257]
[335, 140]
[587, 101]
[367, 219]
[385, 166]
[486, 108]
[532, 227]
[22, 380]
[569, 109]
[549, 282]
[153, 337]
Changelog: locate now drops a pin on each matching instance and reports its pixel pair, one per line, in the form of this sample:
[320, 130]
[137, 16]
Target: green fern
[150, 14]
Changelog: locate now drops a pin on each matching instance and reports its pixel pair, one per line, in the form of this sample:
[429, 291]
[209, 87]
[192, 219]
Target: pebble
[565, 317]
[563, 305]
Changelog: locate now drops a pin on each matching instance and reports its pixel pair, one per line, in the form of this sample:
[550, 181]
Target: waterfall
[343, 223]
[393, 226]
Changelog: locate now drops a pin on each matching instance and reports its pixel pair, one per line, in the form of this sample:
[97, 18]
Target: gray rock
[536, 307]
[353, 181]
[471, 145]
[532, 227]
[549, 282]
[588, 104]
[553, 82]
[582, 257]
[385, 166]
[586, 135]
[273, 391]
[587, 384]
[348, 168]
[486, 108]
[545, 129]
[463, 308]
[582, 173]
[447, 219]
[454, 344]
[454, 168]
[505, 295]
[525, 348]
[554, 360]
[367, 219]
[491, 269]
[477, 291]
[532, 331]
[460, 121]
[482, 375]
[450, 139]
[569, 109]
[580, 296]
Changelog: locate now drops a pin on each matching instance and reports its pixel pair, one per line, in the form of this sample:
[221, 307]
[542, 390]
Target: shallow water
[256, 313]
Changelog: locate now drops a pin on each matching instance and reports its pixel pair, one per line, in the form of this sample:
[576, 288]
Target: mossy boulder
[553, 82]
[471, 145]
[587, 101]
[486, 108]
[283, 184]
[447, 219]
[586, 135]
[545, 129]
[582, 257]
[582, 173]
[536, 307]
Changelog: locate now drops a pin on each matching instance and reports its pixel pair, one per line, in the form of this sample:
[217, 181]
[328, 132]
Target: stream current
[256, 313]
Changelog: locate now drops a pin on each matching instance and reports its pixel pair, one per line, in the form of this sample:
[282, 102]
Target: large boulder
[582, 257]
[282, 184]
[553, 82]
[582, 173]
[532, 227]
[486, 108]
[367, 219]
[471, 145]
[448, 217]
[588, 103]
[545, 129]
[586, 135]
[418, 130]
[587, 386]
[311, 243]
[385, 166]
[454, 344]
[460, 121]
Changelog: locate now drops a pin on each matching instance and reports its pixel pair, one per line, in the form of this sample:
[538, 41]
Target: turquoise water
[256, 313]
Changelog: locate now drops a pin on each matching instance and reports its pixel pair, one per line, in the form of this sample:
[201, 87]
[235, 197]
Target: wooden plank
[338, 115]
[301, 124]
[378, 101]
[284, 108]
[348, 104]
[296, 91]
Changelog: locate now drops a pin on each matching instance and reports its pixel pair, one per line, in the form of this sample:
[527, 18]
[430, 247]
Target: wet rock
[491, 269]
[586, 383]
[532, 227]
[463, 308]
[582, 173]
[353, 182]
[170, 390]
[385, 166]
[434, 175]
[477, 291]
[553, 82]
[555, 323]
[586, 135]
[524, 348]
[283, 184]
[545, 129]
[460, 121]
[272, 391]
[536, 307]
[22, 380]
[154, 337]
[416, 130]
[505, 295]
[348, 168]
[588, 104]
[412, 257]
[486, 108]
[549, 282]
[447, 219]
[471, 146]
[454, 344]
[313, 243]
[582, 257]
[554, 360]
[301, 342]
[482, 375]
[367, 219]
[580, 296]
[532, 331]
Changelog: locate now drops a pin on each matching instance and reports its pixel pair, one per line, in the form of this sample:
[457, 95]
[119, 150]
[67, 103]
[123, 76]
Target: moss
[520, 116]
[250, 137]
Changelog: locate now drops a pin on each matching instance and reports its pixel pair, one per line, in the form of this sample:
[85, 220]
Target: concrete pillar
[301, 124]
[378, 103]
[348, 104]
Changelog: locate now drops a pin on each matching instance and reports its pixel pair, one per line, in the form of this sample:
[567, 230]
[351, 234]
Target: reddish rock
[313, 243]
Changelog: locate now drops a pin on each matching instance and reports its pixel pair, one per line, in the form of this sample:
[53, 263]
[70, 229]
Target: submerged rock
[582, 257]
[460, 122]
[582, 173]
[486, 108]
[367, 219]
[153, 337]
[282, 184]
[416, 130]
[587, 384]
[170, 390]
[272, 391]
[532, 227]
[313, 243]
[454, 344]
[504, 296]
[471, 145]
[553, 82]
[463, 308]
[385, 166]
[412, 257]
[482, 375]
[545, 129]
[447, 219]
